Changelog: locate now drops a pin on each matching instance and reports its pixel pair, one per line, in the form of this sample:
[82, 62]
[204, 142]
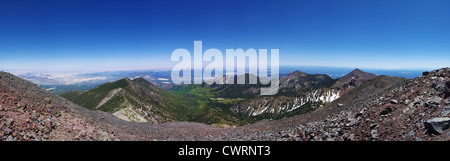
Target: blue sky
[111, 34]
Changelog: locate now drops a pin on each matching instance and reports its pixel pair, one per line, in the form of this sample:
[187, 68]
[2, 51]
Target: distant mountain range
[61, 82]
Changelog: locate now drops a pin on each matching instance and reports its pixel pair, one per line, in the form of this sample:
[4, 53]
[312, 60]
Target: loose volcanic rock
[386, 111]
[393, 101]
[437, 125]
[445, 111]
[47, 100]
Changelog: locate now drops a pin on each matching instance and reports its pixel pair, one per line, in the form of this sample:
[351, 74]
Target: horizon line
[168, 68]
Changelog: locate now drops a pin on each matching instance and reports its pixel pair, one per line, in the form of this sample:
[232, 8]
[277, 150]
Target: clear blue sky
[85, 34]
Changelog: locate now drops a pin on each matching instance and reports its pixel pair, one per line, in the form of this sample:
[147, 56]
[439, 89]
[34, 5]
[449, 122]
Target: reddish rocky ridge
[22, 119]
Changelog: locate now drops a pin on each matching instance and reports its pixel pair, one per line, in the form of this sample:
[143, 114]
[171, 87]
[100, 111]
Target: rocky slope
[28, 112]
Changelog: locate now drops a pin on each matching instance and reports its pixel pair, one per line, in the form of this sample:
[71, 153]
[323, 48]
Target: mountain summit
[298, 73]
[352, 79]
[357, 73]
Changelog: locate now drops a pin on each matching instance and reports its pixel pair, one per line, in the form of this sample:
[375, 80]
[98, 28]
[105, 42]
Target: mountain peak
[361, 74]
[127, 79]
[298, 73]
[356, 70]
[353, 78]
[140, 79]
